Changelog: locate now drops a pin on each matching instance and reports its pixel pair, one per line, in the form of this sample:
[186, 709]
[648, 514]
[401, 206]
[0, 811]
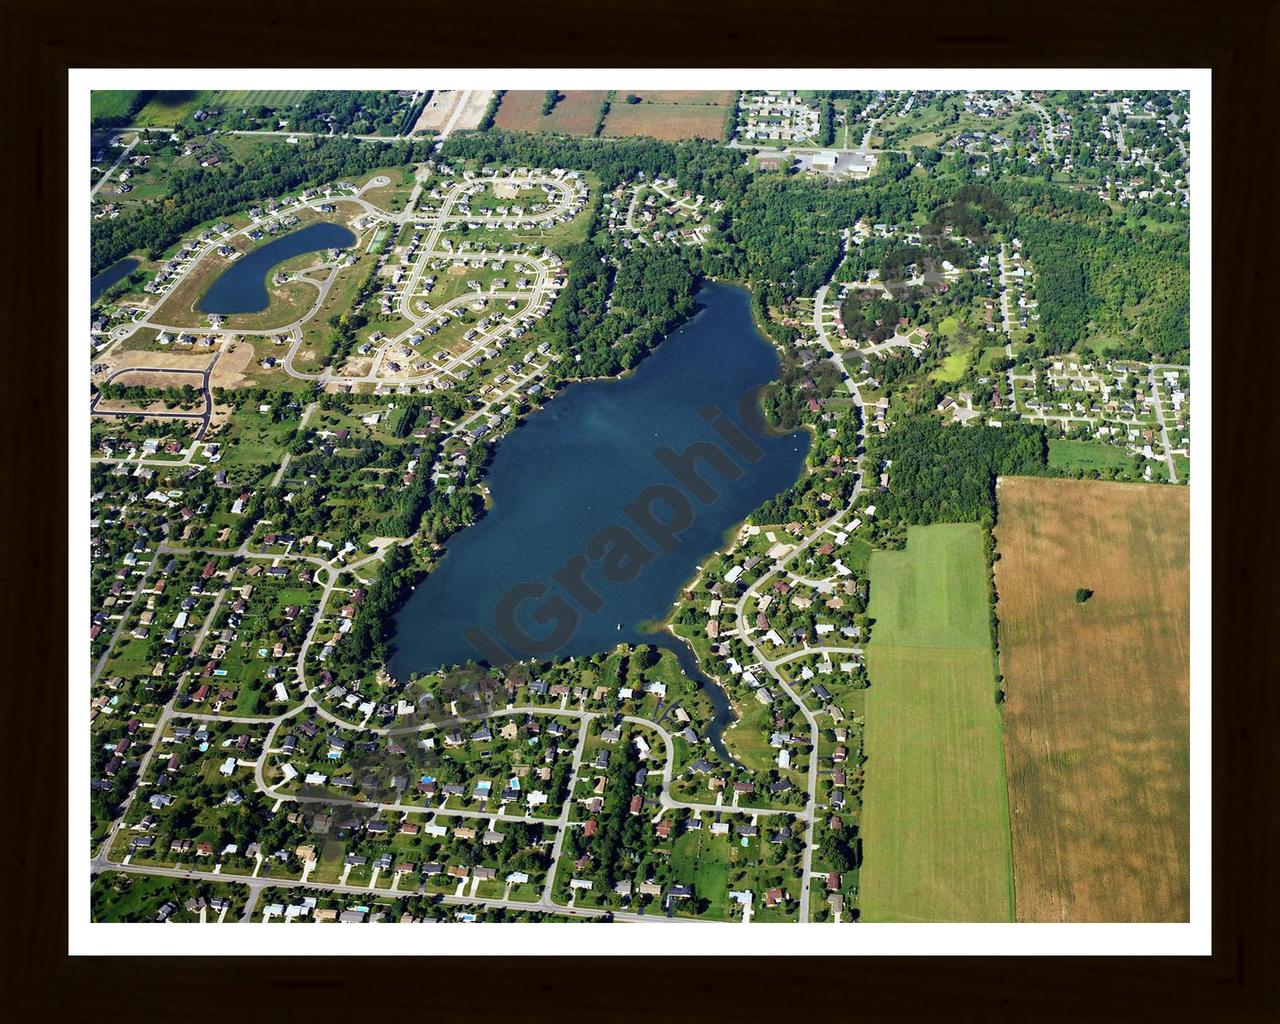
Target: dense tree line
[366, 641]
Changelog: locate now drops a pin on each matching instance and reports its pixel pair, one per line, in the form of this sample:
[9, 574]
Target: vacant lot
[665, 120]
[576, 114]
[935, 809]
[1096, 723]
[1064, 454]
[440, 109]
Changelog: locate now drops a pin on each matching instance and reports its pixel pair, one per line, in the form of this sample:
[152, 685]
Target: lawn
[935, 818]
[120, 897]
[748, 738]
[1071, 455]
[1097, 717]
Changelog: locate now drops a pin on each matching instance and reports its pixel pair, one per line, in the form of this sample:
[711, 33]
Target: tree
[1083, 594]
[632, 98]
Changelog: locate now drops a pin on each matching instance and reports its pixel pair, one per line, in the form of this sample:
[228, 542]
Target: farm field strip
[935, 817]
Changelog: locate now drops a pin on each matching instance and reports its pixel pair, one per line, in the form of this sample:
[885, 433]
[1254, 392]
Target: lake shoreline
[575, 470]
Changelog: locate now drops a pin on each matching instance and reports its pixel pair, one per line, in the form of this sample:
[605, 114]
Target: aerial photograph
[739, 505]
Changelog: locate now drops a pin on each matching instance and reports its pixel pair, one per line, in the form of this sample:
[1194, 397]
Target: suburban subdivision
[639, 506]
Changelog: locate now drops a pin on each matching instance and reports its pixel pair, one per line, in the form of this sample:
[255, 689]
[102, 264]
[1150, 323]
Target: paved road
[288, 456]
[203, 417]
[740, 620]
[1164, 432]
[103, 180]
[1048, 126]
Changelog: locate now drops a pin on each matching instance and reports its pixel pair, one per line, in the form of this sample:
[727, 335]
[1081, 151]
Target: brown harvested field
[1096, 722]
[576, 114]
[665, 120]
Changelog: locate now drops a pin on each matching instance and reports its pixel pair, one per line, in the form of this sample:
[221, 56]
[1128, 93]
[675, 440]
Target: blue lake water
[242, 287]
[116, 272]
[572, 469]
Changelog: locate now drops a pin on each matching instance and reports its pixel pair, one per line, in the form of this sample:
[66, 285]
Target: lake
[570, 471]
[242, 287]
[113, 274]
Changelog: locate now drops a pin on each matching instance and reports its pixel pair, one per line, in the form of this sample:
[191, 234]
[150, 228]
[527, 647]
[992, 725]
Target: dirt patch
[435, 115]
[220, 415]
[229, 370]
[151, 410]
[120, 359]
[357, 367]
[151, 379]
[444, 103]
[1097, 717]
[473, 108]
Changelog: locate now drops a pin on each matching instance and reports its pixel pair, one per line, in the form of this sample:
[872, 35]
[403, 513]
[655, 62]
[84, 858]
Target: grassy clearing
[935, 818]
[954, 366]
[1071, 455]
[1097, 718]
[111, 102]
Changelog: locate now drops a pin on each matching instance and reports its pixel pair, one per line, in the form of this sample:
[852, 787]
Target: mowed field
[670, 115]
[935, 820]
[577, 113]
[273, 98]
[1097, 716]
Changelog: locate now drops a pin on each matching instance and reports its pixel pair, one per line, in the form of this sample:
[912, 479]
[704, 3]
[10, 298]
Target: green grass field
[111, 102]
[273, 98]
[935, 817]
[1085, 455]
[168, 108]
